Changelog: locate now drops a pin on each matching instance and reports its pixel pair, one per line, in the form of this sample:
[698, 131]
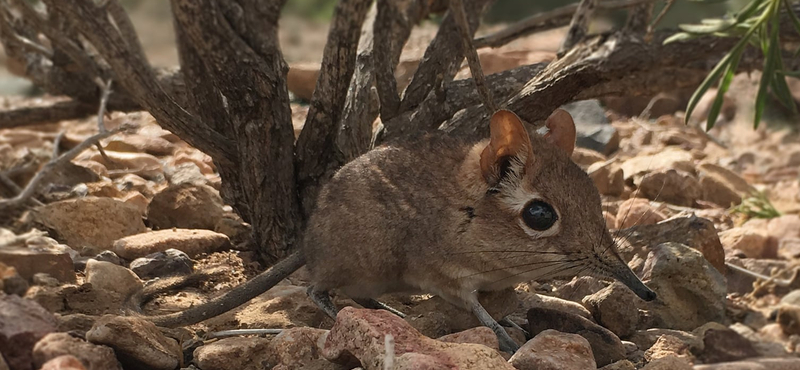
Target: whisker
[538, 264]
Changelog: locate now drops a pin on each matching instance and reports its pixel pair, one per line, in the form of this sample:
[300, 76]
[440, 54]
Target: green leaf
[779, 85]
[761, 95]
[680, 36]
[723, 88]
[715, 74]
[748, 10]
[707, 28]
[792, 16]
[789, 73]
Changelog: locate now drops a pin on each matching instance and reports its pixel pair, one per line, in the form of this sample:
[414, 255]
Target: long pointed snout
[627, 277]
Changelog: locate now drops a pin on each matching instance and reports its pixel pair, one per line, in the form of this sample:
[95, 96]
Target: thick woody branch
[315, 149]
[442, 57]
[548, 20]
[468, 50]
[383, 35]
[611, 66]
[138, 79]
[578, 26]
[236, 78]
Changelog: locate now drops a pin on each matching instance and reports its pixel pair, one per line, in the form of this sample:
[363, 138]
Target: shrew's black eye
[539, 215]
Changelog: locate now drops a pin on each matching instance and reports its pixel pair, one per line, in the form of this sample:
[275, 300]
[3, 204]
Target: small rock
[66, 362]
[593, 128]
[612, 308]
[692, 291]
[586, 157]
[108, 256]
[606, 346]
[75, 322]
[69, 218]
[611, 220]
[789, 319]
[360, 333]
[607, 178]
[136, 143]
[647, 338]
[666, 346]
[137, 342]
[234, 353]
[185, 206]
[619, 365]
[671, 186]
[45, 280]
[637, 211]
[722, 186]
[22, 323]
[752, 243]
[478, 335]
[11, 282]
[669, 158]
[789, 248]
[91, 356]
[755, 364]
[111, 277]
[781, 228]
[723, 345]
[670, 362]
[28, 262]
[553, 350]
[530, 300]
[580, 287]
[128, 161]
[138, 201]
[696, 232]
[185, 173]
[191, 242]
[161, 264]
[283, 306]
[295, 348]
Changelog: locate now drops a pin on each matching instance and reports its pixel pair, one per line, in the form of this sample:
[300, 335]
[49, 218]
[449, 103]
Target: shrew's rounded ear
[509, 140]
[561, 130]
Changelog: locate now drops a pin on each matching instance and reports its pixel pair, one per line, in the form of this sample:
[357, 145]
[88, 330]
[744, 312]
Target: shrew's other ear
[561, 130]
[508, 140]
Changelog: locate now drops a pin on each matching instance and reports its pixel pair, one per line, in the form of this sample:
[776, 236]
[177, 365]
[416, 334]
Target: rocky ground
[711, 221]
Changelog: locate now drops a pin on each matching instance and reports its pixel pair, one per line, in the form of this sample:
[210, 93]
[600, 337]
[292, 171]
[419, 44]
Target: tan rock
[115, 278]
[722, 186]
[136, 143]
[65, 362]
[784, 363]
[186, 206]
[669, 158]
[95, 222]
[611, 220]
[28, 262]
[612, 308]
[751, 242]
[671, 186]
[666, 346]
[192, 242]
[91, 356]
[586, 157]
[137, 342]
[296, 348]
[128, 161]
[478, 335]
[234, 353]
[137, 200]
[22, 323]
[553, 350]
[669, 362]
[637, 211]
[607, 177]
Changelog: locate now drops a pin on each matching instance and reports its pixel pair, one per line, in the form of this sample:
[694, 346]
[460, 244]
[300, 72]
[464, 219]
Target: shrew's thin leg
[506, 343]
[323, 300]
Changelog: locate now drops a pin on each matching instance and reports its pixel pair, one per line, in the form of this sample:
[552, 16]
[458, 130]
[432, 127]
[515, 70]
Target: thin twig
[126, 30]
[101, 110]
[460, 15]
[578, 26]
[57, 143]
[54, 163]
[235, 332]
[651, 28]
[545, 21]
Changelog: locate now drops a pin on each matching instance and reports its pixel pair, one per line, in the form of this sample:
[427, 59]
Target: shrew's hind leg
[323, 300]
[377, 305]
